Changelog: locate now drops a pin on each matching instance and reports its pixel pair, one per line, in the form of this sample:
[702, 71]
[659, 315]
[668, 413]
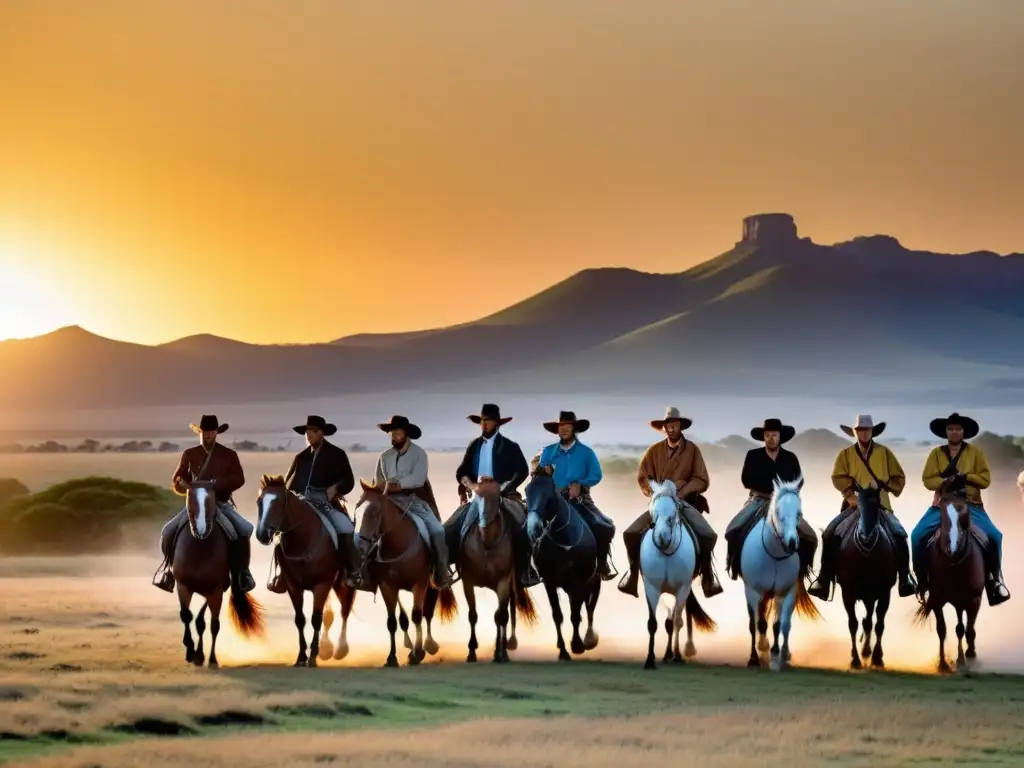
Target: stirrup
[164, 581]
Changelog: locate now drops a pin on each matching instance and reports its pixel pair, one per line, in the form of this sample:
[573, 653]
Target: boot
[631, 580]
[276, 583]
[822, 586]
[731, 557]
[708, 580]
[241, 575]
[164, 579]
[995, 589]
[351, 560]
[604, 567]
[526, 573]
[906, 584]
[442, 577]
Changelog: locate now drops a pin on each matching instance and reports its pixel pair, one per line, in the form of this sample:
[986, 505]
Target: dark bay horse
[200, 566]
[565, 552]
[308, 563]
[956, 575]
[398, 559]
[866, 572]
[487, 561]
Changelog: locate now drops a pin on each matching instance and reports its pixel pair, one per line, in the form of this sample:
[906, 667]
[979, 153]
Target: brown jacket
[686, 468]
[224, 468]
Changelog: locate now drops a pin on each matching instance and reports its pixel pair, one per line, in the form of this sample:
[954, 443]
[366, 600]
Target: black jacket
[331, 468]
[508, 462]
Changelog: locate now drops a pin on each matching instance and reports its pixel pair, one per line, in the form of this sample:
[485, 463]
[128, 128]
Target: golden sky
[282, 172]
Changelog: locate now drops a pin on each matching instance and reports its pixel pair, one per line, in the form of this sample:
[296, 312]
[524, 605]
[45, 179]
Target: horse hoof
[391, 662]
[754, 663]
[650, 664]
[775, 664]
[865, 652]
[431, 646]
[198, 659]
[971, 653]
[312, 662]
[677, 659]
[512, 643]
[762, 644]
[190, 656]
[667, 657]
[577, 646]
[855, 663]
[563, 655]
[300, 662]
[877, 663]
[505, 658]
[471, 658]
[690, 650]
[590, 640]
[341, 651]
[213, 665]
[326, 651]
[944, 667]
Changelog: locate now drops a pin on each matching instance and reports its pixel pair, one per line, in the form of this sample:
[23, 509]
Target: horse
[772, 575]
[308, 563]
[668, 559]
[487, 560]
[866, 572]
[956, 575]
[399, 559]
[201, 566]
[565, 552]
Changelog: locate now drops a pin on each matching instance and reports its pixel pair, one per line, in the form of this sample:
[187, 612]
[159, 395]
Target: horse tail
[448, 604]
[246, 614]
[695, 611]
[524, 603]
[805, 606]
[921, 614]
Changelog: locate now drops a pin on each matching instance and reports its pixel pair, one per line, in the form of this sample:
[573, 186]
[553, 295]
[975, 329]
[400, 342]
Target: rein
[771, 520]
[377, 537]
[546, 532]
[487, 523]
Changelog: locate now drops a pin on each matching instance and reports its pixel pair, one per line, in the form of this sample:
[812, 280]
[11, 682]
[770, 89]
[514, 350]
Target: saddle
[979, 535]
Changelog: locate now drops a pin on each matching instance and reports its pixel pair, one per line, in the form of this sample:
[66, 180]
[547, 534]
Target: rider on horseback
[677, 459]
[210, 461]
[495, 456]
[966, 468]
[858, 466]
[402, 472]
[760, 469]
[322, 475]
[576, 471]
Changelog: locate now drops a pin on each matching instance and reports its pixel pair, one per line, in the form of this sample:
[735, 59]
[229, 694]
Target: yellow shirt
[849, 469]
[970, 460]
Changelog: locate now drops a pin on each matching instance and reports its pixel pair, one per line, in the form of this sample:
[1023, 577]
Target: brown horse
[956, 575]
[308, 563]
[200, 566]
[487, 560]
[398, 559]
[866, 572]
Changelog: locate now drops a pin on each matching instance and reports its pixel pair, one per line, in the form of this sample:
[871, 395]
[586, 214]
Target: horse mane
[271, 481]
[667, 488]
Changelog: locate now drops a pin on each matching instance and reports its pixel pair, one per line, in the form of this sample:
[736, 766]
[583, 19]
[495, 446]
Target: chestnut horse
[397, 558]
[956, 575]
[866, 572]
[200, 566]
[487, 560]
[308, 563]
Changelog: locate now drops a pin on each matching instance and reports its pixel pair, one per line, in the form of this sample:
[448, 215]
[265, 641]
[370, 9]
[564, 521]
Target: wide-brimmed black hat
[786, 432]
[316, 422]
[209, 423]
[568, 417]
[938, 426]
[401, 422]
[489, 411]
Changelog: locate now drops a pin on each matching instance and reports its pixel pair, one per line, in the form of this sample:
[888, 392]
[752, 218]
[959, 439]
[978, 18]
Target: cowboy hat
[864, 421]
[938, 426]
[401, 422]
[672, 414]
[786, 432]
[568, 417]
[489, 411]
[316, 422]
[209, 423]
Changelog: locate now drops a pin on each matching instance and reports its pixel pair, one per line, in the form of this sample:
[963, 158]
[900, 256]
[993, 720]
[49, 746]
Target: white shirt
[408, 469]
[486, 462]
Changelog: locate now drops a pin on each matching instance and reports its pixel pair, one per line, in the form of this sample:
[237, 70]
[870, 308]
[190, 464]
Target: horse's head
[486, 501]
[869, 502]
[541, 500]
[664, 511]
[201, 503]
[955, 524]
[785, 512]
[270, 507]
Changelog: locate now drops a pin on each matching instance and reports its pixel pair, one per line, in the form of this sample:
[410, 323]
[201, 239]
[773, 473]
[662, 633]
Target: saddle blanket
[323, 508]
[419, 511]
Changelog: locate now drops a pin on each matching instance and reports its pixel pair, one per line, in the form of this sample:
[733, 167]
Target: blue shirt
[578, 464]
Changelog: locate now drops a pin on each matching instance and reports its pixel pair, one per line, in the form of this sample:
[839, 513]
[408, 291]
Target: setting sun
[30, 303]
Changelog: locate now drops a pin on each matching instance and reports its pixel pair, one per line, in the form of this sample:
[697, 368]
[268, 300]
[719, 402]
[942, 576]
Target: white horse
[668, 558]
[770, 569]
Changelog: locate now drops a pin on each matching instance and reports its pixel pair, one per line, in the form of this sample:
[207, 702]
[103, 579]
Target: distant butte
[771, 229]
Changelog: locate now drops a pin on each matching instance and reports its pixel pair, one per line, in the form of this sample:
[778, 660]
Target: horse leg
[470, 592]
[501, 622]
[556, 616]
[591, 639]
[940, 630]
[215, 603]
[690, 650]
[850, 604]
[669, 626]
[200, 656]
[883, 607]
[429, 605]
[184, 601]
[511, 643]
[653, 595]
[776, 627]
[321, 592]
[972, 615]
[961, 662]
[867, 625]
[762, 624]
[419, 594]
[576, 617]
[296, 596]
[677, 622]
[753, 606]
[785, 609]
[403, 622]
[390, 601]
